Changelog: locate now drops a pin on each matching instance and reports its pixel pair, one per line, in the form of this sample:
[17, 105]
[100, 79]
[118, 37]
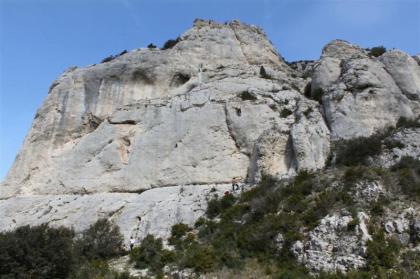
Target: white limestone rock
[364, 100]
[405, 71]
[405, 142]
[151, 212]
[401, 223]
[332, 247]
[327, 69]
[310, 138]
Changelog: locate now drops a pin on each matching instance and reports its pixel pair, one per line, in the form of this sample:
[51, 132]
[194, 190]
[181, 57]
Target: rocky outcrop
[405, 71]
[404, 142]
[363, 94]
[334, 245]
[150, 212]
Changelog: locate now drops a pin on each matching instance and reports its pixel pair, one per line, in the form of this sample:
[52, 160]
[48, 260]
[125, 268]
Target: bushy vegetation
[407, 123]
[101, 240]
[408, 175]
[246, 96]
[317, 94]
[112, 57]
[151, 46]
[170, 43]
[151, 254]
[377, 51]
[285, 113]
[107, 59]
[44, 252]
[246, 227]
[355, 152]
[37, 252]
[263, 73]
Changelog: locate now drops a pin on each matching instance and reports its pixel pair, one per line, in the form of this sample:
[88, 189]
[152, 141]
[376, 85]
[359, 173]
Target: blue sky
[39, 39]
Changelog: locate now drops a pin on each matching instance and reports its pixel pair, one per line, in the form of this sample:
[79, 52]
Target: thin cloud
[130, 9]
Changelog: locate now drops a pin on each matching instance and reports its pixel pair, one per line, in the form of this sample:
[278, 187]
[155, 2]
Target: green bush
[179, 230]
[406, 162]
[246, 96]
[394, 144]
[408, 123]
[227, 201]
[410, 265]
[200, 221]
[353, 223]
[101, 240]
[151, 254]
[354, 174]
[36, 252]
[408, 175]
[203, 260]
[107, 59]
[355, 152]
[214, 208]
[317, 94]
[170, 43]
[378, 51]
[285, 113]
[151, 46]
[382, 251]
[263, 73]
[377, 209]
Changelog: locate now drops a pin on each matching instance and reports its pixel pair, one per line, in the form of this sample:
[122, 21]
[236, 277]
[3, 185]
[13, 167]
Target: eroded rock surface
[364, 94]
[151, 212]
[333, 245]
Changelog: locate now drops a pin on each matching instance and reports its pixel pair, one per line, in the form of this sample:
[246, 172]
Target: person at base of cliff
[131, 244]
[234, 184]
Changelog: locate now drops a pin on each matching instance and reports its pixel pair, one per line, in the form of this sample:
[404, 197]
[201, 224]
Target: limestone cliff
[149, 133]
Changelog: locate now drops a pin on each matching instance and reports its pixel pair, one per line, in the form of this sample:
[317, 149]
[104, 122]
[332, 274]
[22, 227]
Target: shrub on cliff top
[170, 43]
[378, 51]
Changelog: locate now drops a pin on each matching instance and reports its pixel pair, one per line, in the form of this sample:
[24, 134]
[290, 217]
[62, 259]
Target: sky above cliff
[39, 39]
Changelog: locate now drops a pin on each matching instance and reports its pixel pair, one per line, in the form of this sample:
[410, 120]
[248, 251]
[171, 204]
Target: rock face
[152, 212]
[405, 142]
[144, 138]
[333, 245]
[364, 94]
[155, 118]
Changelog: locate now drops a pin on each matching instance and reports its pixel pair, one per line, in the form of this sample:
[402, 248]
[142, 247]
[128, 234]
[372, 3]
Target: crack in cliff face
[229, 126]
[239, 42]
[99, 151]
[116, 213]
